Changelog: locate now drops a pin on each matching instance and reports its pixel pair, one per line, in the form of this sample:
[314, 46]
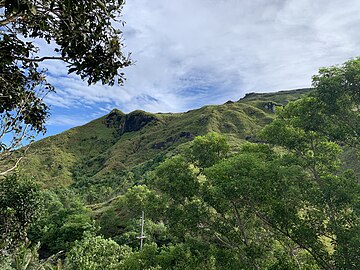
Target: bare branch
[12, 168]
[17, 162]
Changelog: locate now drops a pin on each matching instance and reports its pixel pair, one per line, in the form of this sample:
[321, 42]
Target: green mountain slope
[109, 146]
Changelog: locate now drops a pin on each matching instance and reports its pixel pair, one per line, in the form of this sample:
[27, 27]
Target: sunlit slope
[114, 143]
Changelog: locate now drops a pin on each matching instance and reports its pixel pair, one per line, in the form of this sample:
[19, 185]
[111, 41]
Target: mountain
[107, 148]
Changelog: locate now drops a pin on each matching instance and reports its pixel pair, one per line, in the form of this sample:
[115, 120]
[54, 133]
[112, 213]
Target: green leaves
[207, 150]
[309, 129]
[87, 40]
[337, 91]
[176, 177]
[64, 221]
[251, 201]
[95, 253]
[20, 206]
[302, 129]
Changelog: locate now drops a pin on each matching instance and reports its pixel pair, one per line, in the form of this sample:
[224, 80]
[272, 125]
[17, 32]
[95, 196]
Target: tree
[331, 195]
[26, 257]
[64, 221]
[209, 149]
[20, 206]
[262, 195]
[176, 177]
[338, 98]
[121, 220]
[85, 38]
[216, 202]
[270, 207]
[22, 110]
[96, 253]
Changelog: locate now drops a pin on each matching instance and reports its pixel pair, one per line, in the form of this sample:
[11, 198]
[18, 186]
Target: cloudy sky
[190, 53]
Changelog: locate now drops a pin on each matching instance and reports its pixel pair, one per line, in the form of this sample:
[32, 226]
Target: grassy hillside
[107, 147]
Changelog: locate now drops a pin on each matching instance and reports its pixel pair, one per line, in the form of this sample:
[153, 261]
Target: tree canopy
[338, 100]
[84, 34]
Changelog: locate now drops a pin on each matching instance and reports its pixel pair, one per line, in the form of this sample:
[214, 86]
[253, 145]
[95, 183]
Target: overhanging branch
[9, 19]
[40, 59]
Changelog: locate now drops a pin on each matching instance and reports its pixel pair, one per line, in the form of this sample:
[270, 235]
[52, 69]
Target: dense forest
[281, 194]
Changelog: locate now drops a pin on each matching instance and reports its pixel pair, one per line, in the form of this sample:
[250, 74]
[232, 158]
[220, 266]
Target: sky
[191, 53]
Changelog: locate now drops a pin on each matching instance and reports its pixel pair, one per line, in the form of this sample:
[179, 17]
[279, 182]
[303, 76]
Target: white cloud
[190, 53]
[63, 120]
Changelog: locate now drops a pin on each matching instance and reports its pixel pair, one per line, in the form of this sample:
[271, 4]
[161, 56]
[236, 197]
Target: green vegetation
[234, 186]
[20, 205]
[101, 151]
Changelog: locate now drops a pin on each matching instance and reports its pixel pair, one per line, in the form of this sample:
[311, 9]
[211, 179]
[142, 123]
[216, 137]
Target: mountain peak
[116, 111]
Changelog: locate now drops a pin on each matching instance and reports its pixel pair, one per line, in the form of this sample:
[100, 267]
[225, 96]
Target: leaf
[33, 10]
[71, 70]
[101, 5]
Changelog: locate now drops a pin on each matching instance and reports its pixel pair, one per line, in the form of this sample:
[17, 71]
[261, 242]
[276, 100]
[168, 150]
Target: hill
[108, 147]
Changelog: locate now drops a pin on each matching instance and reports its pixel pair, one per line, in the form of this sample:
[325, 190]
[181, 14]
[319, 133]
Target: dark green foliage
[26, 257]
[64, 221]
[99, 253]
[331, 195]
[271, 191]
[20, 206]
[18, 87]
[22, 109]
[119, 218]
[82, 31]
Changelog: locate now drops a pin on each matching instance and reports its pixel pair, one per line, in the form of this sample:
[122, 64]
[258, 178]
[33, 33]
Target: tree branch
[217, 235]
[9, 19]
[17, 161]
[12, 168]
[40, 59]
[239, 223]
[326, 265]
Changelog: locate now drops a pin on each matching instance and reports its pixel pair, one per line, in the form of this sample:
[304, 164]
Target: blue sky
[190, 53]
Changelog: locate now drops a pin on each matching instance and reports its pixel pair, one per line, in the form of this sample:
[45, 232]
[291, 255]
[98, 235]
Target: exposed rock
[160, 145]
[133, 121]
[137, 120]
[271, 106]
[248, 138]
[248, 95]
[172, 139]
[187, 135]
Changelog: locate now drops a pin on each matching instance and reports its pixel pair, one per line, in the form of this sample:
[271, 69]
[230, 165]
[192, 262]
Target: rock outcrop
[133, 121]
